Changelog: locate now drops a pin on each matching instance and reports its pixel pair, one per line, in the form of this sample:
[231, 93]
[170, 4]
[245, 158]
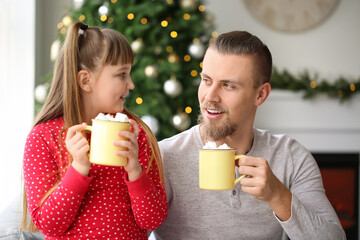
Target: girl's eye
[122, 75]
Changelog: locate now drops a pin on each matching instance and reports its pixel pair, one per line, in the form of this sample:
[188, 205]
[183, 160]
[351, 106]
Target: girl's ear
[84, 80]
[263, 93]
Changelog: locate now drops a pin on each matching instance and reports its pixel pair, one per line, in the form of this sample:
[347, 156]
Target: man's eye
[229, 86]
[205, 80]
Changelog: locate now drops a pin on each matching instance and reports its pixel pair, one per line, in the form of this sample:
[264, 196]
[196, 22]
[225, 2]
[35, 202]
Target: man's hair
[244, 43]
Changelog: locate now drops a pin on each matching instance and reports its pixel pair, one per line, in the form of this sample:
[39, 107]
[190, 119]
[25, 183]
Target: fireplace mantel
[320, 124]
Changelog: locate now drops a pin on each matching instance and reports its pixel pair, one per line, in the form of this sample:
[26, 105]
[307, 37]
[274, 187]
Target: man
[282, 193]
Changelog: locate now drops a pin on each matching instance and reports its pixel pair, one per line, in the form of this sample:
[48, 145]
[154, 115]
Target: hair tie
[83, 27]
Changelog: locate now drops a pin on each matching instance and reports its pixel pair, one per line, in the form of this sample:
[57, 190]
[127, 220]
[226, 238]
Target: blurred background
[315, 48]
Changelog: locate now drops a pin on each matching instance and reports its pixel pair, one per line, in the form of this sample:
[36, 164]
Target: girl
[67, 197]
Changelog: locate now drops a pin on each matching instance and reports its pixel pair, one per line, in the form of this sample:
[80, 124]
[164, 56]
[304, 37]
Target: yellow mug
[217, 169]
[103, 135]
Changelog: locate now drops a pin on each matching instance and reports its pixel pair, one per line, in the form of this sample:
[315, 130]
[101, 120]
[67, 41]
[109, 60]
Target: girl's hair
[87, 48]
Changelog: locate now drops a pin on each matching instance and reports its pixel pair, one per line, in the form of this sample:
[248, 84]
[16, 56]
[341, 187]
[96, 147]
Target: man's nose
[213, 94]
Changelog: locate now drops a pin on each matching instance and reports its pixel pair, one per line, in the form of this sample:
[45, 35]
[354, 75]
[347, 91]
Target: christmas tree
[169, 39]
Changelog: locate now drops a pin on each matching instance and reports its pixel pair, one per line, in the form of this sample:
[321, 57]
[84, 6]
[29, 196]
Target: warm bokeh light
[103, 18]
[174, 34]
[169, 49]
[188, 110]
[352, 87]
[144, 20]
[110, 20]
[130, 16]
[186, 16]
[202, 8]
[82, 18]
[164, 23]
[139, 100]
[313, 84]
[187, 58]
[60, 25]
[201, 64]
[194, 73]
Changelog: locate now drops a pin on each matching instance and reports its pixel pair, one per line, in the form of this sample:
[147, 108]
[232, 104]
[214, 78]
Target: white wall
[17, 65]
[331, 50]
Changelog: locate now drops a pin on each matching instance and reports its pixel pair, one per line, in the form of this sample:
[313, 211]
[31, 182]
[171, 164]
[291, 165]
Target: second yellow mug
[217, 169]
[103, 135]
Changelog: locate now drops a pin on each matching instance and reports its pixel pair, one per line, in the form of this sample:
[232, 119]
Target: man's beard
[216, 129]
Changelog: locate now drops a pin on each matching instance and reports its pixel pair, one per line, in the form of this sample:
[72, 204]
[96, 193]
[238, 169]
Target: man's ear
[84, 80]
[263, 93]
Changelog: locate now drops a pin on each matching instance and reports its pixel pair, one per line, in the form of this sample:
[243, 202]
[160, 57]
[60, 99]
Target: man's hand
[261, 183]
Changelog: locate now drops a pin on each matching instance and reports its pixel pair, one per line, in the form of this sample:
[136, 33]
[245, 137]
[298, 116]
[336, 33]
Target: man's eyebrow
[202, 74]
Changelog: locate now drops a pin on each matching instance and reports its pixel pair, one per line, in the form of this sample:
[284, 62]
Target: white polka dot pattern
[102, 206]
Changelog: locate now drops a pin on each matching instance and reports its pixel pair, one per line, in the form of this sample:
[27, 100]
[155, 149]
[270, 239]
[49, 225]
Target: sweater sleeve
[147, 193]
[312, 216]
[42, 172]
[305, 224]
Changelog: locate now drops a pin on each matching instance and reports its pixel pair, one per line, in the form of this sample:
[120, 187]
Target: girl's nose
[131, 84]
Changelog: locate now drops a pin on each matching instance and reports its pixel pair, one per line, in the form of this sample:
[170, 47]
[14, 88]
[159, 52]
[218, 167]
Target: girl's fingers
[71, 132]
[135, 126]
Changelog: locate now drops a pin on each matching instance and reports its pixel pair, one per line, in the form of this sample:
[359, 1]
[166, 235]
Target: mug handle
[239, 178]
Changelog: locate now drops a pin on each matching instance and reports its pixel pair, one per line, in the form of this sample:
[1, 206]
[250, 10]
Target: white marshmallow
[212, 145]
[120, 117]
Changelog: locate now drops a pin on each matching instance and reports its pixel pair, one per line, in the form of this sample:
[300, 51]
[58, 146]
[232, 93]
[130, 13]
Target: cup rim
[100, 120]
[217, 149]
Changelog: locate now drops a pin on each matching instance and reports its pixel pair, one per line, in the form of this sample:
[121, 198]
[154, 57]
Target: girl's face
[110, 88]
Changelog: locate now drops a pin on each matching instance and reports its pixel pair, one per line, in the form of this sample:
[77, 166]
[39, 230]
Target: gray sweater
[233, 214]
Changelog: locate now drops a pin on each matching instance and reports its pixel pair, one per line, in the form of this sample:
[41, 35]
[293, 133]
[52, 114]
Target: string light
[313, 84]
[170, 1]
[340, 94]
[164, 23]
[113, 1]
[130, 16]
[193, 73]
[169, 49]
[82, 18]
[173, 34]
[187, 58]
[63, 30]
[144, 20]
[201, 64]
[214, 34]
[188, 110]
[139, 100]
[186, 16]
[60, 25]
[110, 20]
[202, 8]
[352, 87]
[103, 18]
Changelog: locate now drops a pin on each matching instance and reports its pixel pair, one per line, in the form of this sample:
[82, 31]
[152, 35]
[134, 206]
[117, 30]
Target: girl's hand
[133, 167]
[78, 147]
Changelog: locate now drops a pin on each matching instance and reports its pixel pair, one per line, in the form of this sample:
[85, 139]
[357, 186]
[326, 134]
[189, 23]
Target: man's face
[226, 94]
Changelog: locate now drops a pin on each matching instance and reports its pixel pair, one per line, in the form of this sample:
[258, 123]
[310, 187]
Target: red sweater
[103, 205]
